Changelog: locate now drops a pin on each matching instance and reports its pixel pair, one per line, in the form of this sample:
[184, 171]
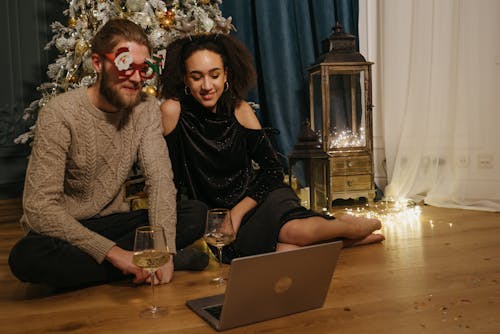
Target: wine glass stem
[220, 262]
[153, 301]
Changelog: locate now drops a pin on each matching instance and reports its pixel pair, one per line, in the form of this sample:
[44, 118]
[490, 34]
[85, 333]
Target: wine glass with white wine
[150, 253]
[219, 232]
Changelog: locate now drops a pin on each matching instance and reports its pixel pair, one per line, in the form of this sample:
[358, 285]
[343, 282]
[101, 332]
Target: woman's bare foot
[359, 227]
[370, 239]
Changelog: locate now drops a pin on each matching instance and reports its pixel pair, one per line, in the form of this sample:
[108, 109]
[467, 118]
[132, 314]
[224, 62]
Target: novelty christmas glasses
[126, 67]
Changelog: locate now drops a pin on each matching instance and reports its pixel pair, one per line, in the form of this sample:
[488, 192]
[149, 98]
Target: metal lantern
[308, 171]
[341, 114]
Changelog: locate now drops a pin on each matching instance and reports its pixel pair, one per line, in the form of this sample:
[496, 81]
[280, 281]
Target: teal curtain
[285, 37]
[24, 32]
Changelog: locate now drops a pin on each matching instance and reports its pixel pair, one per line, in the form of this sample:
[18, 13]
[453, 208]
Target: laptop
[271, 285]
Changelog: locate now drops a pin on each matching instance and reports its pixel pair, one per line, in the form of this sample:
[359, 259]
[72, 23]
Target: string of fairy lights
[347, 138]
[389, 210]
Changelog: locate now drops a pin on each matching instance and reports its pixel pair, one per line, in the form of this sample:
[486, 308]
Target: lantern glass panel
[347, 109]
[310, 182]
[319, 195]
[300, 181]
[317, 101]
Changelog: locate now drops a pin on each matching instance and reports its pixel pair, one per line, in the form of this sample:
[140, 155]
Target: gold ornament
[150, 90]
[166, 22]
[81, 47]
[204, 2]
[72, 22]
[170, 14]
[161, 14]
[72, 79]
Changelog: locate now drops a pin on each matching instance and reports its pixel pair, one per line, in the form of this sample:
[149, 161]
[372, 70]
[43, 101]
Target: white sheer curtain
[439, 97]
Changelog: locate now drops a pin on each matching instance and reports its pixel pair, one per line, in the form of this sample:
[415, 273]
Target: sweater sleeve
[155, 164]
[44, 188]
[269, 173]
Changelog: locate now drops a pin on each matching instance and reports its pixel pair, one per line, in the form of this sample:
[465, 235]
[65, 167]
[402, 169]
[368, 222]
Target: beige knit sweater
[81, 157]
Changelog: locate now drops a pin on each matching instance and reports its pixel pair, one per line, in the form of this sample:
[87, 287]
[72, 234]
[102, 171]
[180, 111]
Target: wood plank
[10, 210]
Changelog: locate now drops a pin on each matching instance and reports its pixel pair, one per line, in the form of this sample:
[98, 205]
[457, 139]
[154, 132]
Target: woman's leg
[281, 247]
[311, 230]
[370, 239]
[280, 223]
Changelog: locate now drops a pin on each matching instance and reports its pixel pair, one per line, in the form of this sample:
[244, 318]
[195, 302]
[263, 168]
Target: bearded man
[80, 231]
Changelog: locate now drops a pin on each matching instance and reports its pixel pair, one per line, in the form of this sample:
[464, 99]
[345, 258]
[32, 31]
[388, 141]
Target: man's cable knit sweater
[80, 159]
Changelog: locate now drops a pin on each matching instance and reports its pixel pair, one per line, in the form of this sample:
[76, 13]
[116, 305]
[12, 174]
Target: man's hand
[165, 273]
[122, 259]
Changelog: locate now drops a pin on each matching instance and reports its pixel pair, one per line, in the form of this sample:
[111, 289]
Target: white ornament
[157, 37]
[141, 19]
[135, 5]
[87, 81]
[207, 24]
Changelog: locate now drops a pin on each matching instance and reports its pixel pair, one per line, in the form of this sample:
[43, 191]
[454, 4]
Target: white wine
[150, 259]
[219, 239]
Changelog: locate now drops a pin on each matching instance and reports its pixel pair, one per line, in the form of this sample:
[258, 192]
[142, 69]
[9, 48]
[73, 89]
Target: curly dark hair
[236, 58]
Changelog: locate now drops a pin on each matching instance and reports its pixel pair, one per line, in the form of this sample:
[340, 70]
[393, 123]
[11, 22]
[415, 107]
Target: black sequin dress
[218, 161]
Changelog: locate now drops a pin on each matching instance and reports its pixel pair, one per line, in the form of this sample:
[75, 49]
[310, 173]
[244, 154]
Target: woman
[215, 140]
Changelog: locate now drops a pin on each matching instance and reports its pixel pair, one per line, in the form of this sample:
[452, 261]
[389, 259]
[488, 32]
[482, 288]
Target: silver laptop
[271, 285]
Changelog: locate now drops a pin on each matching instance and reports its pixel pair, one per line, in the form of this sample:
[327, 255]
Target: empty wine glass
[150, 253]
[219, 232]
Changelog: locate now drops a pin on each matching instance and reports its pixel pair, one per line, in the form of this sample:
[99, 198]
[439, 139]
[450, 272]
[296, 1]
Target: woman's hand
[240, 210]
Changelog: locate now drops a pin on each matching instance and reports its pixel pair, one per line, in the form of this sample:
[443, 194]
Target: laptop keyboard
[214, 311]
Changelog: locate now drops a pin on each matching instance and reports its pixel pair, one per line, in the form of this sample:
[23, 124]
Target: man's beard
[114, 96]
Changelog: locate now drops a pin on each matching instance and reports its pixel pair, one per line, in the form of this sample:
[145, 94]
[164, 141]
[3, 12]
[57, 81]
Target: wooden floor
[436, 274]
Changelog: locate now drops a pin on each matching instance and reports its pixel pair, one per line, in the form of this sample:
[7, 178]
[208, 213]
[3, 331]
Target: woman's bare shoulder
[245, 115]
[170, 112]
[170, 107]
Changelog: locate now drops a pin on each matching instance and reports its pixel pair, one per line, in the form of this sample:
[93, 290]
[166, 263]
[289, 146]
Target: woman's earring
[226, 86]
[187, 91]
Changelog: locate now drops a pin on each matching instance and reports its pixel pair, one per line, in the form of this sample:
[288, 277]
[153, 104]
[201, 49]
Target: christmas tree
[163, 21]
